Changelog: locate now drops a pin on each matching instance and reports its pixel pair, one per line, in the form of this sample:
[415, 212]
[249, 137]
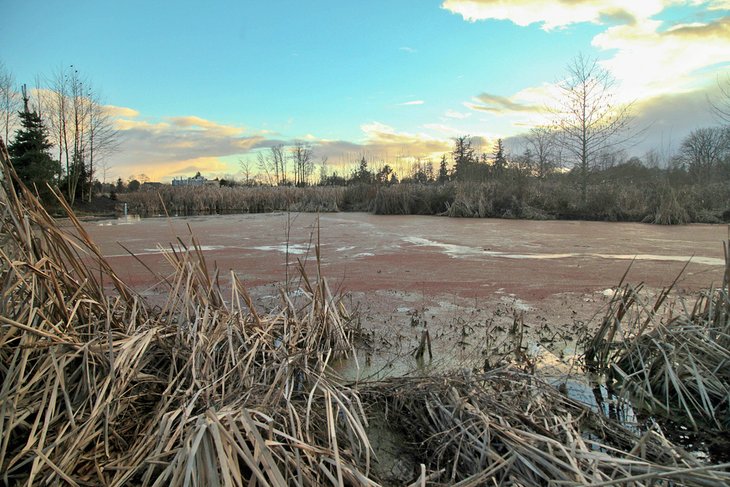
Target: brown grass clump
[105, 390]
[506, 428]
[676, 365]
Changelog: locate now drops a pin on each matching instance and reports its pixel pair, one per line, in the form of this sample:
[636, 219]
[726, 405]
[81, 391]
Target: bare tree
[589, 122]
[81, 128]
[303, 163]
[103, 138]
[721, 105]
[703, 150]
[9, 103]
[278, 159]
[245, 166]
[59, 113]
[543, 145]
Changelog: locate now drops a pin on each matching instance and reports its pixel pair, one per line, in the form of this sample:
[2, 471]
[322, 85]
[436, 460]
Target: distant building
[197, 180]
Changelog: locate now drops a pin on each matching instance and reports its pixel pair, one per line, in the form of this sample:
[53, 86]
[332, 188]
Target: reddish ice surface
[429, 255]
[446, 269]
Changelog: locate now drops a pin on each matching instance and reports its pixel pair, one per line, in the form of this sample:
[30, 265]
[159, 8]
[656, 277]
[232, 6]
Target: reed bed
[673, 364]
[238, 199]
[99, 387]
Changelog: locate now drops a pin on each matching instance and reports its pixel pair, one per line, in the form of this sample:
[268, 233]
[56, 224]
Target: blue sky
[200, 85]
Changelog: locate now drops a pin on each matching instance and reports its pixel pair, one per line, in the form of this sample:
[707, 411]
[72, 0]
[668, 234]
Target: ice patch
[460, 251]
[295, 249]
[179, 248]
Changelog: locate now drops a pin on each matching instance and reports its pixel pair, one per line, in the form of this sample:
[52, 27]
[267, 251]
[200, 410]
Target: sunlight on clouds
[193, 122]
[124, 124]
[649, 62]
[554, 14]
[210, 167]
[650, 58]
[115, 111]
[160, 149]
[499, 104]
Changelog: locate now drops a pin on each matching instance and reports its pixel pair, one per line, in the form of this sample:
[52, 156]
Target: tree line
[60, 136]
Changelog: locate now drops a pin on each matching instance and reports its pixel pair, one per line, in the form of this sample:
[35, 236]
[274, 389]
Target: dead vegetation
[209, 200]
[101, 388]
[672, 363]
[508, 428]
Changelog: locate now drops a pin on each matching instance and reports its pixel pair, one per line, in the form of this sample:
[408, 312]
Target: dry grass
[104, 390]
[239, 199]
[101, 388]
[507, 428]
[675, 364]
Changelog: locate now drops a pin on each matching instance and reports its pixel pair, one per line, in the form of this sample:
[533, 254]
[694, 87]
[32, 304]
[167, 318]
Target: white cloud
[457, 115]
[413, 102]
[651, 59]
[115, 111]
[556, 13]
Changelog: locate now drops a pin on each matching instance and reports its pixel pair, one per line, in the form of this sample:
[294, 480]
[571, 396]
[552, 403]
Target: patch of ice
[295, 249]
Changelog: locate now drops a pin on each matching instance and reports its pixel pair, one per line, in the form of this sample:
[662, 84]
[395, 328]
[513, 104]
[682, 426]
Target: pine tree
[29, 152]
[500, 163]
[443, 170]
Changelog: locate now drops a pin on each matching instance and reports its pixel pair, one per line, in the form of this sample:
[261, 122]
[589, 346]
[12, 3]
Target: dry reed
[674, 365]
[99, 388]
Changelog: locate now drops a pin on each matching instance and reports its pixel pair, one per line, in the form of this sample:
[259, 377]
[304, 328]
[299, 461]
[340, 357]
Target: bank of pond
[654, 201]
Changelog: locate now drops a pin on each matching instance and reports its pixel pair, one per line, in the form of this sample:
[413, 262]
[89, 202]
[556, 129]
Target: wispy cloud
[456, 115]
[413, 102]
[115, 111]
[407, 49]
[499, 104]
[193, 122]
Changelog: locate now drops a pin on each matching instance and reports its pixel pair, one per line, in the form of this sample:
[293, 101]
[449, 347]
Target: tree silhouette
[29, 152]
[589, 121]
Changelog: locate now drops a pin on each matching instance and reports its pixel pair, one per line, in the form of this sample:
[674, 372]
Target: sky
[199, 86]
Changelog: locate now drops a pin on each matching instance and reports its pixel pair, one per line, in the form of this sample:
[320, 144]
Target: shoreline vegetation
[654, 201]
[101, 387]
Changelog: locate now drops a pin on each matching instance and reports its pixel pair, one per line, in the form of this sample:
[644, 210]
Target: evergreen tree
[29, 152]
[464, 158]
[500, 163]
[443, 170]
[362, 174]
